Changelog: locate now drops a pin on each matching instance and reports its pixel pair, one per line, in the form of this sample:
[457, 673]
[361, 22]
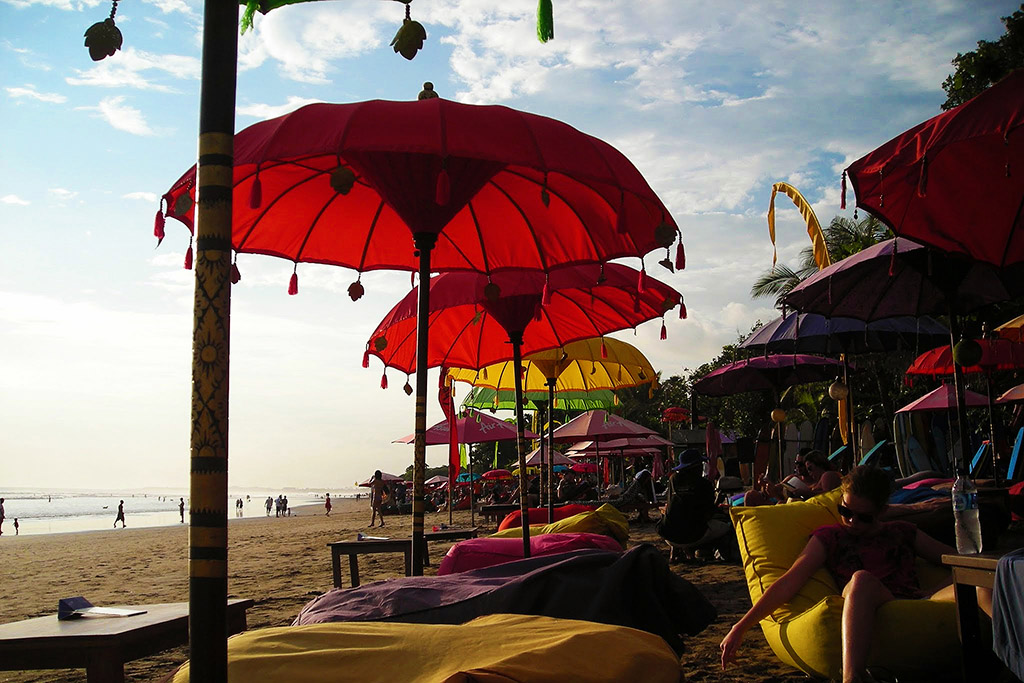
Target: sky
[713, 103]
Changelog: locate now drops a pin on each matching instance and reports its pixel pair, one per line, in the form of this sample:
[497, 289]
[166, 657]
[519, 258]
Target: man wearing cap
[689, 522]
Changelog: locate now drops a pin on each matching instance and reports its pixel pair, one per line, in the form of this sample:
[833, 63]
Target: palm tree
[843, 237]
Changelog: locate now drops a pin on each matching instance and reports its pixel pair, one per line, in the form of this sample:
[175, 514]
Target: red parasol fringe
[545, 297]
[444, 188]
[188, 258]
[158, 227]
[236, 275]
[641, 281]
[680, 255]
[384, 380]
[604, 351]
[664, 331]
[842, 192]
[256, 193]
[682, 309]
[366, 358]
[293, 284]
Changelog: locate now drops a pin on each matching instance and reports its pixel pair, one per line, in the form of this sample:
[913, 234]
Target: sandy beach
[282, 564]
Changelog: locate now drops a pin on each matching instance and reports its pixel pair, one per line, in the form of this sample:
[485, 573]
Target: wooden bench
[101, 645]
[493, 514]
[353, 549]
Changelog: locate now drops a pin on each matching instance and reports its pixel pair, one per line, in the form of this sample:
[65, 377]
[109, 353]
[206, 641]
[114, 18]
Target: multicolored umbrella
[954, 182]
[494, 475]
[773, 373]
[427, 186]
[484, 398]
[813, 333]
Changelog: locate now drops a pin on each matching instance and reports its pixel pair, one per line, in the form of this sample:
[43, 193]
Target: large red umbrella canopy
[471, 330]
[474, 427]
[346, 184]
[598, 425]
[944, 398]
[539, 457]
[956, 181]
[996, 354]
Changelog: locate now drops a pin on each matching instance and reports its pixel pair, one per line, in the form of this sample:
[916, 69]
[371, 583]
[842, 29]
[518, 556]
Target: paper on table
[73, 608]
[363, 537]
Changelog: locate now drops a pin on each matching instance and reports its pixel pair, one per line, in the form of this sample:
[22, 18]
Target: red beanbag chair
[477, 553]
[514, 520]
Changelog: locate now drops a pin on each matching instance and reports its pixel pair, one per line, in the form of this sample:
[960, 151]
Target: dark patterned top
[888, 555]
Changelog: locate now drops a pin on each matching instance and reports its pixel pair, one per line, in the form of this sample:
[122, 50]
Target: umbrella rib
[369, 235]
[278, 197]
[526, 220]
[458, 249]
[568, 204]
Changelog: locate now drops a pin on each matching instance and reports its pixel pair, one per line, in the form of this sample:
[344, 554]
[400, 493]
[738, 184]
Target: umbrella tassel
[545, 297]
[366, 357]
[680, 255]
[293, 284]
[236, 275]
[408, 387]
[443, 193]
[256, 192]
[664, 330]
[682, 309]
[384, 380]
[604, 351]
[641, 281]
[842, 192]
[188, 256]
[158, 226]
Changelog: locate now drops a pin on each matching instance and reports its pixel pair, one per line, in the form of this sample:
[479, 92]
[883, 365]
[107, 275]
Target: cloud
[61, 194]
[169, 6]
[71, 5]
[120, 116]
[30, 92]
[269, 111]
[14, 200]
[130, 67]
[150, 197]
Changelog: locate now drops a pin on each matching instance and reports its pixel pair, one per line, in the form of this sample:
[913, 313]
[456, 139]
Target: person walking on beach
[1, 516]
[120, 515]
[181, 509]
[377, 489]
[16, 525]
[269, 503]
[327, 504]
[872, 560]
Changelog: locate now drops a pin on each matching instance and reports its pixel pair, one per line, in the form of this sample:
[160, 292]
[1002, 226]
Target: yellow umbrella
[1013, 330]
[585, 365]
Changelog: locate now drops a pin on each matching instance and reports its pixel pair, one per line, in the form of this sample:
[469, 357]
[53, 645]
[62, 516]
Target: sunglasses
[849, 515]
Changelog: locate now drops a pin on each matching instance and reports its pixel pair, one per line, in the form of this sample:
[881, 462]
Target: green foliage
[981, 68]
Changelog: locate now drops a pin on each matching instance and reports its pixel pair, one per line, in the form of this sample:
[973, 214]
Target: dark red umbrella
[473, 427]
[599, 426]
[956, 181]
[546, 311]
[478, 320]
[478, 188]
[767, 372]
[996, 354]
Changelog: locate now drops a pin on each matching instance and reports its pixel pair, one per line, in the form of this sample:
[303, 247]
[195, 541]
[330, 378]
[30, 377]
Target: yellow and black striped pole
[211, 344]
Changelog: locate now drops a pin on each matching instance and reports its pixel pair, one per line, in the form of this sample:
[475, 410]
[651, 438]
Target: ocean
[52, 512]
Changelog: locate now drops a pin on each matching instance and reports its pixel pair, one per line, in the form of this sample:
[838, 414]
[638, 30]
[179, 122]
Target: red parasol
[944, 398]
[480, 188]
[996, 354]
[494, 475]
[955, 182]
[598, 425]
[473, 427]
[471, 330]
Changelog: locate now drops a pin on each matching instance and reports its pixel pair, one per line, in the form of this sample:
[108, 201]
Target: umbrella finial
[428, 92]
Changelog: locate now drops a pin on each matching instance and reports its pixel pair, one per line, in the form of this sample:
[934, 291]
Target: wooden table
[353, 549]
[497, 512]
[101, 645]
[969, 572]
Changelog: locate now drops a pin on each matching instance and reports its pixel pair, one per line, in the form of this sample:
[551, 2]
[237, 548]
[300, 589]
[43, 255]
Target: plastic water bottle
[965, 515]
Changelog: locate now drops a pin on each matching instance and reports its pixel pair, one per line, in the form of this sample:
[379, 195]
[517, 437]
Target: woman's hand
[731, 644]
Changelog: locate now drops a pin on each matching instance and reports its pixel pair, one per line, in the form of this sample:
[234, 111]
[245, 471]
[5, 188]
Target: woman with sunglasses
[872, 560]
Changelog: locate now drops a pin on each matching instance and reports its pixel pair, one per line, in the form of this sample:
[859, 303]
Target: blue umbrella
[466, 476]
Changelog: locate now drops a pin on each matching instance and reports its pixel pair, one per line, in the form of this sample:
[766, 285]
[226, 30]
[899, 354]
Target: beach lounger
[477, 553]
[605, 520]
[1013, 472]
[837, 456]
[915, 640]
[978, 460]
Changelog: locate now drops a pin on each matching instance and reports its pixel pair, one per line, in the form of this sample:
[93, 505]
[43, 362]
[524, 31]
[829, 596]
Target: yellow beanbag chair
[497, 648]
[912, 638]
[605, 520]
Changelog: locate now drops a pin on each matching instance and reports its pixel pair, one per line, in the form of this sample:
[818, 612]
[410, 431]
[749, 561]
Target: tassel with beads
[545, 296]
[842, 193]
[366, 357]
[293, 284]
[158, 227]
[256, 192]
[682, 309]
[664, 331]
[680, 255]
[604, 351]
[188, 257]
[641, 281]
[384, 380]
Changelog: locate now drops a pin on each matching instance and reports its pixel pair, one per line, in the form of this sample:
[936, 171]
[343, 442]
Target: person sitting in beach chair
[873, 563]
[816, 476]
[691, 521]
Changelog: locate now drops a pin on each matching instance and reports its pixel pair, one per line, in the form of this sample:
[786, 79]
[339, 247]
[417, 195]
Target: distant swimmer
[120, 516]
[181, 509]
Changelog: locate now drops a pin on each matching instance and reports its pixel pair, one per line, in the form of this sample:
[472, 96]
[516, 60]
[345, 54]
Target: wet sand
[282, 564]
